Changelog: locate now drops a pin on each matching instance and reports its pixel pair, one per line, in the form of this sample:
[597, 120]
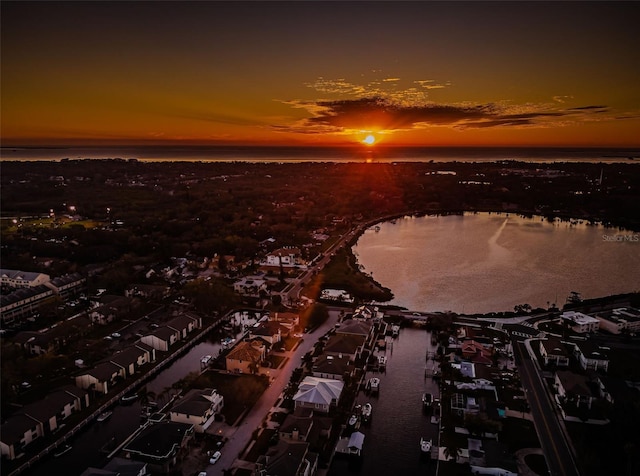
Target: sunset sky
[321, 73]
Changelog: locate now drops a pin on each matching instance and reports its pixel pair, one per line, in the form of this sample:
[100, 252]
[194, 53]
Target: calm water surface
[392, 440]
[478, 263]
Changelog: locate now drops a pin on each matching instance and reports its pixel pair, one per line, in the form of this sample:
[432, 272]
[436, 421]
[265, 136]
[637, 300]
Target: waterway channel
[91, 446]
[392, 438]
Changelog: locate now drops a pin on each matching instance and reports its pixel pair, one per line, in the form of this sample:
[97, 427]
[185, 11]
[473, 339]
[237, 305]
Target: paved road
[240, 436]
[556, 450]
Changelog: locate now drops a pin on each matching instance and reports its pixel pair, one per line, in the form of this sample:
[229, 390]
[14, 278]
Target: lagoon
[491, 262]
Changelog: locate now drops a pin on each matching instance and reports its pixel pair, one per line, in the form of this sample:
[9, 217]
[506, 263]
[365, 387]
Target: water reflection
[480, 263]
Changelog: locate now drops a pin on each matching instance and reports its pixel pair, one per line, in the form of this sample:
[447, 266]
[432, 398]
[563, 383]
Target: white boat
[129, 398]
[353, 420]
[374, 384]
[104, 416]
[427, 399]
[63, 450]
[395, 330]
[226, 342]
[366, 411]
[382, 361]
[425, 446]
[206, 359]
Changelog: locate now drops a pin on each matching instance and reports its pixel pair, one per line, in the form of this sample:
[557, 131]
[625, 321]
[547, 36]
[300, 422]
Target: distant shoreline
[343, 154]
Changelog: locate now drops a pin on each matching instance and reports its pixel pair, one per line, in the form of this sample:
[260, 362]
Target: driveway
[239, 436]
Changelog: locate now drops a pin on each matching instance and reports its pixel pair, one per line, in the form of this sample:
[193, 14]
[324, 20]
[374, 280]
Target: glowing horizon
[213, 73]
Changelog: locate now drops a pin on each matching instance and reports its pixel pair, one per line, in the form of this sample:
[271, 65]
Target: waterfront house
[100, 377]
[161, 445]
[198, 407]
[40, 419]
[345, 344]
[472, 349]
[131, 359]
[18, 432]
[287, 458]
[319, 394]
[366, 313]
[356, 328]
[553, 351]
[246, 357]
[334, 367]
[185, 323]
[162, 338]
[304, 425]
[269, 331]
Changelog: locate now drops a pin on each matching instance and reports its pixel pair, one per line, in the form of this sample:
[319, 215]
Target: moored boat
[104, 416]
[353, 419]
[63, 450]
[425, 446]
[129, 398]
[374, 385]
[427, 400]
[366, 411]
[395, 330]
[382, 362]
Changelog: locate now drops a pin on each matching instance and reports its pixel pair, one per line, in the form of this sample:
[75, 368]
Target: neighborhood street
[239, 436]
[556, 450]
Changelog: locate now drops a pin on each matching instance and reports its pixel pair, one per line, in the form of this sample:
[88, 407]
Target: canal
[92, 445]
[392, 438]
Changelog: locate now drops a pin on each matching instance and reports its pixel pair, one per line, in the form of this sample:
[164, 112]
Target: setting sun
[369, 140]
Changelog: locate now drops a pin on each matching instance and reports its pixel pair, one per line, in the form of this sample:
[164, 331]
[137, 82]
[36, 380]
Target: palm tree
[452, 450]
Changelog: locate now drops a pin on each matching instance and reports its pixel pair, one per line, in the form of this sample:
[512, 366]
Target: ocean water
[323, 154]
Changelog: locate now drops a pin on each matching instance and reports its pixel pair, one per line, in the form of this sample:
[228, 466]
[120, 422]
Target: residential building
[162, 338]
[39, 419]
[246, 357]
[334, 367]
[287, 458]
[345, 344]
[101, 377]
[185, 324]
[15, 279]
[553, 351]
[148, 291]
[198, 408]
[161, 445]
[23, 303]
[574, 388]
[619, 320]
[68, 286]
[591, 356]
[319, 394]
[269, 331]
[251, 286]
[580, 323]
